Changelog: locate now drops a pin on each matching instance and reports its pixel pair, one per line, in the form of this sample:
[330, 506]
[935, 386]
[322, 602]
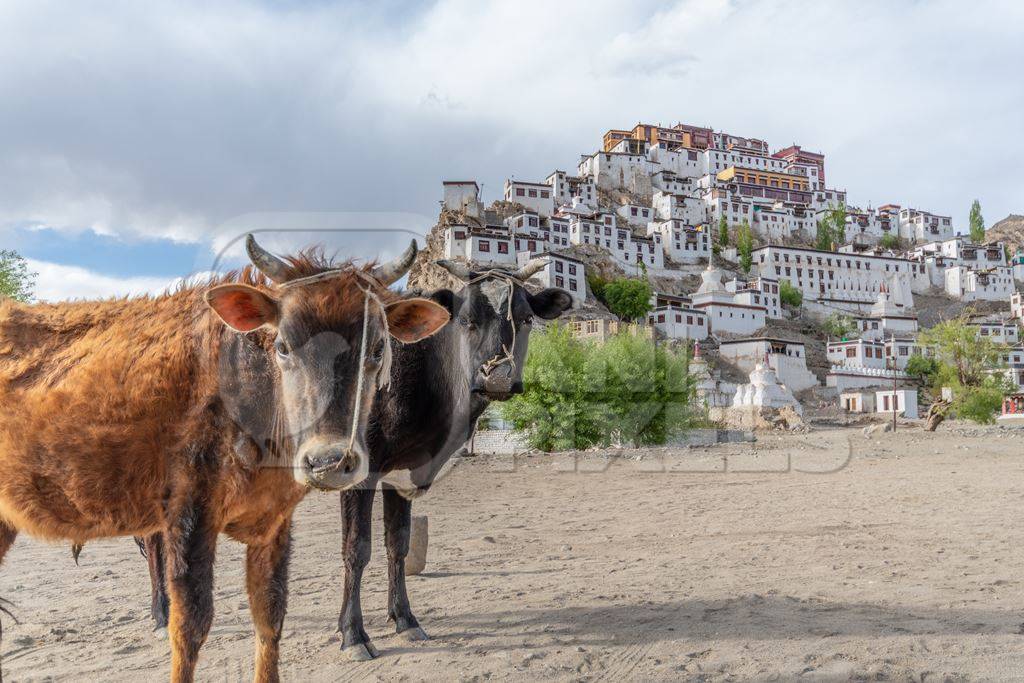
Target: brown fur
[112, 426]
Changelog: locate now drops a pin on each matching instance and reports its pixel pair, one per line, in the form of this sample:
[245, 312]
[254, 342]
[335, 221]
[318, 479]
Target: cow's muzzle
[331, 465]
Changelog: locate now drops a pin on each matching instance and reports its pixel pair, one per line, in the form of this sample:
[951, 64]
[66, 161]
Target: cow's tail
[4, 610]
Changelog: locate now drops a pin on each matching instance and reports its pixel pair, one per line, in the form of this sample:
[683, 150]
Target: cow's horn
[393, 270]
[457, 269]
[532, 267]
[268, 264]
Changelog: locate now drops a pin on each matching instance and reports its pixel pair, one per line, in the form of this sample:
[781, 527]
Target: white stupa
[765, 391]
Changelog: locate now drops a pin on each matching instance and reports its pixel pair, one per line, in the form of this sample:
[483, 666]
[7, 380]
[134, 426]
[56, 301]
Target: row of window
[523, 192]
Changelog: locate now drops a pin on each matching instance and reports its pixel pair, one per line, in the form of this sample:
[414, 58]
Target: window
[559, 282]
[533, 193]
[460, 234]
[572, 269]
[485, 245]
[572, 285]
[545, 194]
[502, 247]
[559, 267]
[520, 192]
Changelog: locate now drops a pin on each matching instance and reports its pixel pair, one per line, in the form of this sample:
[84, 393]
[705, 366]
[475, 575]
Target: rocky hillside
[1009, 230]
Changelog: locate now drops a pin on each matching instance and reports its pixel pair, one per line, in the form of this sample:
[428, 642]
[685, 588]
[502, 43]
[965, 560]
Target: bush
[646, 390]
[980, 404]
[554, 412]
[839, 326]
[629, 299]
[790, 295]
[597, 285]
[579, 395]
[924, 368]
[889, 241]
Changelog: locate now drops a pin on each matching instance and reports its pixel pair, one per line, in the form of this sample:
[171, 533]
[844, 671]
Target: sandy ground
[825, 555]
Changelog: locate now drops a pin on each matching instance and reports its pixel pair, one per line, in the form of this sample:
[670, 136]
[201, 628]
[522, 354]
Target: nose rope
[384, 376]
[507, 354]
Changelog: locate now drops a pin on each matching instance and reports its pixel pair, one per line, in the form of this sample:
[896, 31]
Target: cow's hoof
[160, 633]
[414, 634]
[361, 652]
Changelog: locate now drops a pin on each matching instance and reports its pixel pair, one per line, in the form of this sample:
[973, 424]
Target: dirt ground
[826, 556]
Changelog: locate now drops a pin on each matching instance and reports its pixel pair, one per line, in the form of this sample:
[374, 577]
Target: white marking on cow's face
[496, 294]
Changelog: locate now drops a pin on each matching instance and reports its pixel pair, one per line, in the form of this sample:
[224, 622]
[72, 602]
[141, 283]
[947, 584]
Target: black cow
[439, 387]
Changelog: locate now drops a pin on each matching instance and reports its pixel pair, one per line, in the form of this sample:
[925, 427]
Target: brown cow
[124, 417]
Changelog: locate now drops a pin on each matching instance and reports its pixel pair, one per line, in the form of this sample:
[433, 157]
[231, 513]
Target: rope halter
[384, 375]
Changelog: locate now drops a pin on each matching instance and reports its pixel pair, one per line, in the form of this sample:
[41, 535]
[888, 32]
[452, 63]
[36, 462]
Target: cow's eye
[281, 346]
[378, 353]
[467, 323]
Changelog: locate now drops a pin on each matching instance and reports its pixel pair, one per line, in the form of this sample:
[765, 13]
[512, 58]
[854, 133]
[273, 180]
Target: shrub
[790, 295]
[627, 298]
[645, 389]
[577, 394]
[889, 241]
[980, 404]
[554, 412]
[839, 326]
[922, 367]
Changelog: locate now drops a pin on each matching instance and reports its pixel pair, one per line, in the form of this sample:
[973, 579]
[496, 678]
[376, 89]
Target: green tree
[889, 241]
[839, 326]
[967, 356]
[555, 410]
[831, 230]
[723, 233]
[597, 285]
[790, 295]
[823, 237]
[645, 390]
[629, 299]
[924, 368]
[16, 281]
[745, 246]
[969, 364]
[977, 223]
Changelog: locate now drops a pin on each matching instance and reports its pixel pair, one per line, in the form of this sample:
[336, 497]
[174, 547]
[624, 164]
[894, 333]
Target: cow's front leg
[356, 508]
[266, 579]
[397, 520]
[191, 541]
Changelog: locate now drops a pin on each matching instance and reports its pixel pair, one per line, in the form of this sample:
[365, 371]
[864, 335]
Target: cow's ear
[446, 298]
[411, 320]
[549, 303]
[243, 308]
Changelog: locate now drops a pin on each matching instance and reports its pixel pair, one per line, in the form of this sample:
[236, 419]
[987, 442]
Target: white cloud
[58, 282]
[169, 119]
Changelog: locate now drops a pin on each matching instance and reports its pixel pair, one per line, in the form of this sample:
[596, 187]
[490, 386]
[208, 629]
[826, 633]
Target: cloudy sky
[139, 140]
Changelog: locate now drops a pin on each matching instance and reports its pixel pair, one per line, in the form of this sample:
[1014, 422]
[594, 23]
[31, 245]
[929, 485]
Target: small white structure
[886, 318]
[857, 401]
[725, 313]
[561, 271]
[481, 245]
[714, 393]
[765, 391]
[463, 196]
[996, 328]
[1017, 307]
[901, 401]
[787, 359]
[567, 189]
[675, 318]
[760, 291]
[966, 284]
[680, 242]
[534, 196]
